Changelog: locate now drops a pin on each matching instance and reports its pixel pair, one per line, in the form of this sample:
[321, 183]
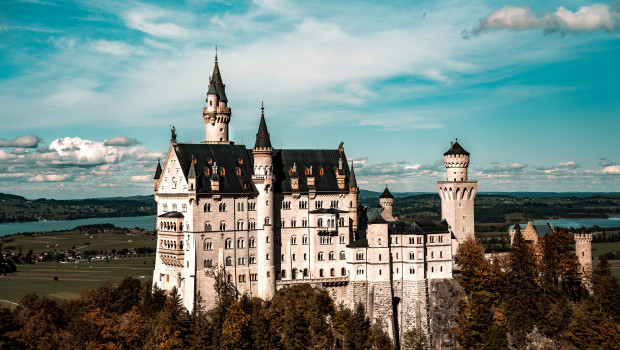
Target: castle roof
[217, 86]
[157, 171]
[352, 180]
[192, 170]
[417, 227]
[231, 157]
[172, 215]
[386, 193]
[262, 136]
[540, 229]
[456, 149]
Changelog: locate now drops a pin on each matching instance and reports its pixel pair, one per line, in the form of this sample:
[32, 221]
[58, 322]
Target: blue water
[145, 222]
[577, 223]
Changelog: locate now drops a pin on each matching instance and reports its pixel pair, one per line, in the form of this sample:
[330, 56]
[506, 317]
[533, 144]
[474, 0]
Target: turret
[456, 160]
[353, 193]
[263, 179]
[191, 178]
[386, 200]
[157, 175]
[583, 249]
[216, 114]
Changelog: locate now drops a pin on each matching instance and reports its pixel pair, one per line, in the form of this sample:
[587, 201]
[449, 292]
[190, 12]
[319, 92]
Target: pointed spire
[352, 180]
[386, 193]
[217, 86]
[192, 169]
[262, 137]
[158, 170]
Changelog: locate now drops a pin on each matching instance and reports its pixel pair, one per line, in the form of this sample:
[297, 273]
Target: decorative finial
[215, 53]
[262, 109]
[456, 139]
[174, 134]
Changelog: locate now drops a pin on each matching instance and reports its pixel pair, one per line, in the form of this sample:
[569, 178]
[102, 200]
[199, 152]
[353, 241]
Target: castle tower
[216, 114]
[263, 179]
[386, 200]
[583, 249]
[353, 193]
[457, 193]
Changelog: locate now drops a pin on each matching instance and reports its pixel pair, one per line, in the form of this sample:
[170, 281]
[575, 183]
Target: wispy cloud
[27, 141]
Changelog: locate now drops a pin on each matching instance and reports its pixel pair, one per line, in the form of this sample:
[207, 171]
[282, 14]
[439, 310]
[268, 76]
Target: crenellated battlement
[583, 237]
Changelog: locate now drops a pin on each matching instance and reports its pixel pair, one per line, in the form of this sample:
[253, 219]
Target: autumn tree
[415, 339]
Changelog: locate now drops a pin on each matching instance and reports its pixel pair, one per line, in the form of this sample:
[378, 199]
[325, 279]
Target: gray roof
[541, 229]
[172, 214]
[231, 157]
[217, 87]
[157, 171]
[352, 180]
[386, 193]
[262, 136]
[417, 227]
[456, 149]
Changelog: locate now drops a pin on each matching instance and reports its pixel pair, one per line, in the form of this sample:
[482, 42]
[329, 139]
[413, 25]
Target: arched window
[360, 270]
[228, 244]
[360, 255]
[240, 225]
[320, 222]
[222, 206]
[441, 254]
[321, 273]
[321, 256]
[343, 239]
[240, 243]
[293, 223]
[223, 226]
[208, 226]
[252, 259]
[267, 220]
[332, 256]
[294, 274]
[304, 222]
[464, 229]
[208, 263]
[332, 272]
[343, 255]
[379, 241]
[283, 273]
[293, 240]
[304, 239]
[343, 271]
[229, 261]
[252, 242]
[341, 222]
[207, 207]
[305, 272]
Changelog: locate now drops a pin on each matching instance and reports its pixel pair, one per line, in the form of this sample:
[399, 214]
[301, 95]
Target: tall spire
[352, 180]
[262, 137]
[216, 86]
[192, 169]
[158, 170]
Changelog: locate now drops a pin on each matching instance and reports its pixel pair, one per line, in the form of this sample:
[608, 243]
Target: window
[222, 206]
[304, 222]
[282, 223]
[184, 207]
[440, 239]
[411, 256]
[267, 257]
[343, 239]
[293, 257]
[241, 278]
[240, 225]
[460, 205]
[252, 242]
[341, 222]
[165, 207]
[228, 244]
[343, 272]
[240, 206]
[208, 263]
[440, 268]
[305, 257]
[321, 273]
[318, 204]
[267, 239]
[360, 270]
[321, 256]
[379, 257]
[441, 254]
[411, 240]
[252, 206]
[293, 223]
[326, 240]
[304, 240]
[241, 261]
[432, 239]
[283, 273]
[305, 272]
[278, 242]
[282, 258]
[464, 229]
[223, 226]
[267, 220]
[293, 240]
[320, 222]
[286, 205]
[464, 217]
[419, 240]
[432, 255]
[332, 256]
[343, 255]
[432, 268]
[208, 245]
[253, 277]
[334, 204]
[359, 255]
[174, 207]
[229, 261]
[240, 243]
[208, 227]
[412, 270]
[252, 260]
[303, 204]
[252, 225]
[379, 241]
[332, 272]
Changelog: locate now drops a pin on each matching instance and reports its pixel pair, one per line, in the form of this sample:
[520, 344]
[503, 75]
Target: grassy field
[84, 240]
[72, 277]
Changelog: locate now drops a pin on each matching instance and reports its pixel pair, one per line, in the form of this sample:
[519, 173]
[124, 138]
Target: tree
[379, 339]
[235, 331]
[606, 289]
[520, 300]
[415, 339]
[474, 266]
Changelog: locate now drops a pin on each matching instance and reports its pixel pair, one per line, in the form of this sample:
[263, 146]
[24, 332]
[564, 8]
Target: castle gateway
[272, 218]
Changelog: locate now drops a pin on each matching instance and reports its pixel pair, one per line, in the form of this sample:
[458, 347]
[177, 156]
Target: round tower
[583, 249]
[216, 114]
[263, 179]
[386, 200]
[457, 193]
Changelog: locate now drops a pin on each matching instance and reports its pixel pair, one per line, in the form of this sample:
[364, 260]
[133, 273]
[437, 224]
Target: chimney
[451, 145]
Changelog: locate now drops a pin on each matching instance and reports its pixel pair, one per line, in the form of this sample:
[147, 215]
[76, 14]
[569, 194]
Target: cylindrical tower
[583, 249]
[216, 114]
[386, 200]
[263, 179]
[457, 193]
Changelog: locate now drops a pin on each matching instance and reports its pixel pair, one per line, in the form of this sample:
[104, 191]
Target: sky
[89, 89]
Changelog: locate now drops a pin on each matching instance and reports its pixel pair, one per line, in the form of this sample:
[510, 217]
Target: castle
[272, 218]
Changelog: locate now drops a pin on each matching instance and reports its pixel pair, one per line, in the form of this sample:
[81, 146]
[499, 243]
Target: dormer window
[307, 172]
[238, 171]
[210, 161]
[321, 172]
[222, 172]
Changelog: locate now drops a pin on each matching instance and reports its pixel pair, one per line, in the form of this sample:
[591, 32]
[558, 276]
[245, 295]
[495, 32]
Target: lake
[148, 222]
[145, 222]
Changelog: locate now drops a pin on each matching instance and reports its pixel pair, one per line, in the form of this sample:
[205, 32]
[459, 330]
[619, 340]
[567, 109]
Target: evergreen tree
[415, 339]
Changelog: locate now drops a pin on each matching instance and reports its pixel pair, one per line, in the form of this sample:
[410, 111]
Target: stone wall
[443, 303]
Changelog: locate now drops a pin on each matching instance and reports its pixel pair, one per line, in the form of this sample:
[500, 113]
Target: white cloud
[27, 141]
[569, 165]
[149, 20]
[121, 141]
[141, 178]
[586, 19]
[49, 178]
[612, 169]
[112, 47]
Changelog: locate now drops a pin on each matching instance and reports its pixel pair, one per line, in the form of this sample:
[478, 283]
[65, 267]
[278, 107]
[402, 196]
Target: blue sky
[89, 89]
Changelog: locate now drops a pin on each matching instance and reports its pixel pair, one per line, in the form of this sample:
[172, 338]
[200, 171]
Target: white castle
[272, 218]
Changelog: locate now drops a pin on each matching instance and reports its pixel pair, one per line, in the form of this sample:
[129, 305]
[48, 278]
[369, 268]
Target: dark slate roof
[386, 193]
[456, 149]
[418, 227]
[172, 214]
[541, 229]
[157, 171]
[283, 161]
[192, 170]
[352, 180]
[358, 243]
[328, 211]
[225, 156]
[217, 86]
[262, 136]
